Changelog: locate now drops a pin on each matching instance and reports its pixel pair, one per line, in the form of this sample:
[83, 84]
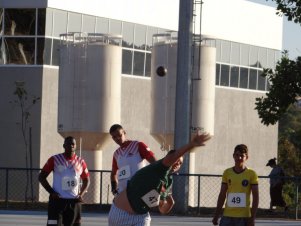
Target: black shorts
[65, 212]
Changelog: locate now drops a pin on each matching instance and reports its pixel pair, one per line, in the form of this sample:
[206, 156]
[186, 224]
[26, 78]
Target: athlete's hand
[80, 198]
[215, 221]
[54, 195]
[200, 138]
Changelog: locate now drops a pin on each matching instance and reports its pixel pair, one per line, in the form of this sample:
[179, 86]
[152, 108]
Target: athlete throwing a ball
[149, 187]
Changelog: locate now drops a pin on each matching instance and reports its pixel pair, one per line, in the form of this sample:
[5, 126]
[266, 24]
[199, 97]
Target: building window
[128, 35]
[127, 58]
[253, 79]
[20, 50]
[235, 53]
[138, 63]
[271, 58]
[149, 37]
[44, 52]
[41, 22]
[1, 21]
[243, 78]
[74, 22]
[234, 73]
[102, 25]
[226, 51]
[244, 59]
[253, 56]
[225, 69]
[262, 58]
[148, 64]
[88, 24]
[59, 23]
[115, 27]
[140, 37]
[55, 60]
[217, 74]
[19, 22]
[261, 81]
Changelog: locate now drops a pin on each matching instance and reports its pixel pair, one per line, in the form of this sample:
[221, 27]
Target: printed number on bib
[124, 172]
[151, 198]
[236, 200]
[69, 183]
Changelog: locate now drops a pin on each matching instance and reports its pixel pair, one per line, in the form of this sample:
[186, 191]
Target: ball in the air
[161, 71]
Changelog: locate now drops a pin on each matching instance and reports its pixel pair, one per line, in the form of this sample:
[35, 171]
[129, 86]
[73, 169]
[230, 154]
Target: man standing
[127, 159]
[64, 207]
[276, 185]
[238, 183]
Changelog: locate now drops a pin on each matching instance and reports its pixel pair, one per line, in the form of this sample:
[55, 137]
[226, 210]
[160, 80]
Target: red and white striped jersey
[66, 174]
[128, 159]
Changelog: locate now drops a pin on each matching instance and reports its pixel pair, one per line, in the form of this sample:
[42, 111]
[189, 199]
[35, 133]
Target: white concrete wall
[236, 20]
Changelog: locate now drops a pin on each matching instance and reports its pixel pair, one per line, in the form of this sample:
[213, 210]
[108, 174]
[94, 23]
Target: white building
[248, 38]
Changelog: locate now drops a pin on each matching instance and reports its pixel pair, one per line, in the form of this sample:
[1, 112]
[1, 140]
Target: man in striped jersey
[127, 159]
[64, 207]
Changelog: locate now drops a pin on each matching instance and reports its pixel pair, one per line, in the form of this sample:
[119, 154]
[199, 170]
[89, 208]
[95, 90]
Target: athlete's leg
[55, 207]
[119, 217]
[72, 213]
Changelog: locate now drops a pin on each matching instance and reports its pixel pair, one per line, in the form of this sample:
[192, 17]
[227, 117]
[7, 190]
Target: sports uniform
[66, 182]
[144, 191]
[128, 159]
[238, 194]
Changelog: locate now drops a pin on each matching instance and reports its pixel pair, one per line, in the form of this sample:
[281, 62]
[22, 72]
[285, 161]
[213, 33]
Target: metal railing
[20, 189]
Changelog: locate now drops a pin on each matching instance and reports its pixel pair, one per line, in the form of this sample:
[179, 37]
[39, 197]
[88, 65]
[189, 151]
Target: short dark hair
[241, 148]
[115, 127]
[69, 138]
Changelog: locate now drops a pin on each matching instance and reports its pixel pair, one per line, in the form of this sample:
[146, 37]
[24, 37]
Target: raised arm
[197, 140]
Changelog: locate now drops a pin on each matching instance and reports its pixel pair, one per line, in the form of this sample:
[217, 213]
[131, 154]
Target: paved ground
[30, 218]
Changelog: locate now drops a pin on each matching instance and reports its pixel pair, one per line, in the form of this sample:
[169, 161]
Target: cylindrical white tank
[164, 53]
[89, 90]
[163, 93]
[203, 91]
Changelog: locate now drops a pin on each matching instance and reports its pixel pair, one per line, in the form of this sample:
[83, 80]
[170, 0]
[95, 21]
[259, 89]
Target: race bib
[151, 198]
[236, 200]
[69, 183]
[124, 172]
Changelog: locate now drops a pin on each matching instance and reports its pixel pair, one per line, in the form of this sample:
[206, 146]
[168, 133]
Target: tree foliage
[285, 87]
[290, 8]
[289, 144]
[285, 80]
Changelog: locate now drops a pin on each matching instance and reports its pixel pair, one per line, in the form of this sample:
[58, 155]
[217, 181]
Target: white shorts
[119, 217]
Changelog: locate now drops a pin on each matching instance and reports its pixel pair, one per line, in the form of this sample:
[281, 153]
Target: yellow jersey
[239, 191]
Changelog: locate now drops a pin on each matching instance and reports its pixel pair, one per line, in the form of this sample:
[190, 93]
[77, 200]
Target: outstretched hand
[200, 139]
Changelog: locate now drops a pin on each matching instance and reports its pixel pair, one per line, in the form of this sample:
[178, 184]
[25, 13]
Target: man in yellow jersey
[238, 183]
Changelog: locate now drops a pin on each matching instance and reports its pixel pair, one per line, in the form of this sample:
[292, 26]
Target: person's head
[69, 145]
[118, 134]
[177, 165]
[240, 154]
[271, 162]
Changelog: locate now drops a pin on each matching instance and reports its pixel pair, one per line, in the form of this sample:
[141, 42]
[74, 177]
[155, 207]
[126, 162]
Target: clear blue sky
[291, 33]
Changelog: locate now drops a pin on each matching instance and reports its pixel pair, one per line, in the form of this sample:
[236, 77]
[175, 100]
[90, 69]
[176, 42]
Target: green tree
[285, 80]
[289, 143]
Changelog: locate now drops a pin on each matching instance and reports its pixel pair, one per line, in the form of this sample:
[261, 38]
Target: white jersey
[67, 174]
[129, 161]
